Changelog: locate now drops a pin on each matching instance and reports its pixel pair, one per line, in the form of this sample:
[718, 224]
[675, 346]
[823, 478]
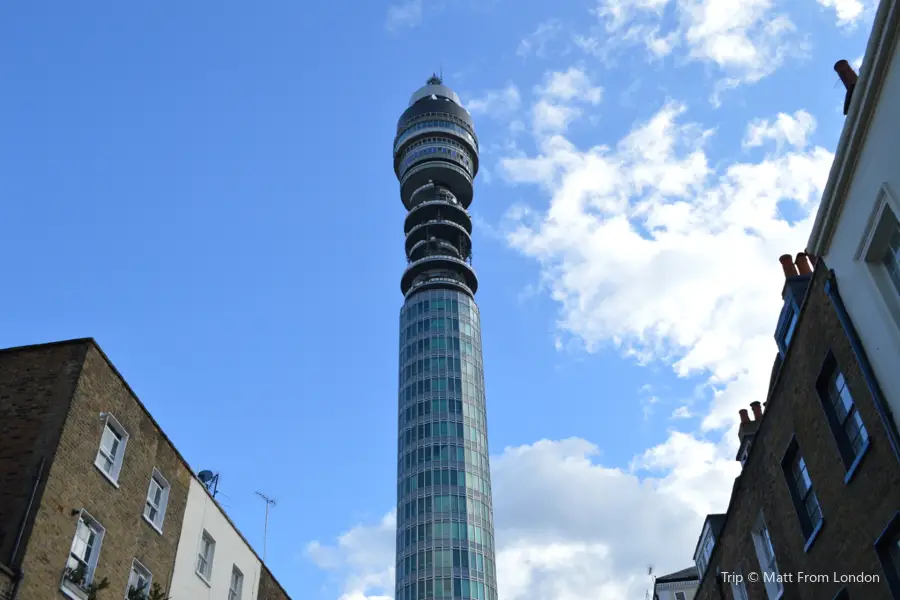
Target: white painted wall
[876, 321]
[201, 514]
[669, 593]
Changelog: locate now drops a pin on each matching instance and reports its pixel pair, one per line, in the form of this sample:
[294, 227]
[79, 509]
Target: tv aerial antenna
[269, 502]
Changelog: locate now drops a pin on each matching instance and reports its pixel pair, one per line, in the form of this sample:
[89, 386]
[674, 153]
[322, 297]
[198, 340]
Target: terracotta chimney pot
[787, 264]
[802, 264]
[757, 410]
[846, 73]
[745, 418]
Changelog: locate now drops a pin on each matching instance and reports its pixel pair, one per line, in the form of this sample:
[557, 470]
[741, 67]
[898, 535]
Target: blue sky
[207, 191]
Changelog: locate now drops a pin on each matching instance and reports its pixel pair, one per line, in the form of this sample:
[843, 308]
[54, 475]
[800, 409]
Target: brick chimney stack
[747, 429]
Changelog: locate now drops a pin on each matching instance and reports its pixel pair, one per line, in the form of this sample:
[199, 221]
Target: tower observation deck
[445, 530]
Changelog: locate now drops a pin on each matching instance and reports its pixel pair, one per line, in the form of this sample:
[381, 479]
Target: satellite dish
[205, 477]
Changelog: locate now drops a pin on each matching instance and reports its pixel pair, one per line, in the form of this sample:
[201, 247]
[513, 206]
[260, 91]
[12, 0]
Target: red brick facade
[855, 513]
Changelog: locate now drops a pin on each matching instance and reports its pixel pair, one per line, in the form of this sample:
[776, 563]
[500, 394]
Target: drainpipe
[19, 573]
[17, 581]
[865, 366]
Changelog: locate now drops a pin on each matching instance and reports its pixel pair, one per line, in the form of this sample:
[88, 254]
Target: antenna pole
[269, 502]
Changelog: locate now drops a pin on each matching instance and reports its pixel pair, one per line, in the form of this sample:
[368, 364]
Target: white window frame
[236, 593]
[157, 478]
[872, 246]
[111, 423]
[738, 587]
[67, 587]
[140, 570]
[680, 596]
[205, 574]
[765, 554]
[705, 550]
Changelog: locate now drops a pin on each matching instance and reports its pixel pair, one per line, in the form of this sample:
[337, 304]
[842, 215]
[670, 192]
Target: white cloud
[785, 129]
[746, 40]
[359, 558]
[536, 42]
[591, 545]
[857, 64]
[848, 12]
[646, 247]
[553, 117]
[496, 103]
[573, 84]
[559, 97]
[404, 14]
[682, 412]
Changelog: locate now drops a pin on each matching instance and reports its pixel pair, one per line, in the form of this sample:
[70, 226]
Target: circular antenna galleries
[436, 161]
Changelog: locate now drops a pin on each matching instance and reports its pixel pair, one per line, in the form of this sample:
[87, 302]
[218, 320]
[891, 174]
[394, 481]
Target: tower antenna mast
[269, 502]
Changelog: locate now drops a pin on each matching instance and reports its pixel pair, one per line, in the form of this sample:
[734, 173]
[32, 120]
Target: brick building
[819, 491]
[91, 489]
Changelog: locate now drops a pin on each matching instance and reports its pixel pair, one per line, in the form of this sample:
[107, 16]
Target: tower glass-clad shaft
[445, 525]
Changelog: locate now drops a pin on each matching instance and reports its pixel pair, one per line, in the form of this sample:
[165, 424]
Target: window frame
[787, 324]
[140, 567]
[738, 585]
[157, 478]
[67, 586]
[888, 540]
[764, 544]
[237, 594]
[110, 422]
[850, 458]
[882, 222]
[205, 575]
[810, 530]
[707, 542]
[682, 595]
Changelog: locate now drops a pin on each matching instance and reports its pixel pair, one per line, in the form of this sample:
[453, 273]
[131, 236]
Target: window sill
[109, 477]
[203, 578]
[813, 536]
[853, 467]
[155, 527]
[71, 592]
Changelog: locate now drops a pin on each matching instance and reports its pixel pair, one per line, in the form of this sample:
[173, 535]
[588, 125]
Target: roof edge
[69, 342]
[879, 50]
[178, 453]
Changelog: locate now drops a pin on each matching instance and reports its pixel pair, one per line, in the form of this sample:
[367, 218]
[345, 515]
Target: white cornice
[876, 62]
[670, 585]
